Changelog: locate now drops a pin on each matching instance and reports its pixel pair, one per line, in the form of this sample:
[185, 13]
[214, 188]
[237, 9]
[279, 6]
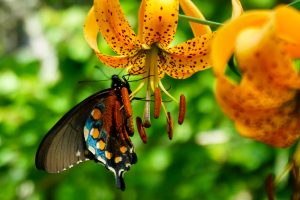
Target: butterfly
[98, 128]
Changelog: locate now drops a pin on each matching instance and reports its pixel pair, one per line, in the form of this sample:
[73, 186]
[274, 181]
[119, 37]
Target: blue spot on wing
[89, 123]
[91, 142]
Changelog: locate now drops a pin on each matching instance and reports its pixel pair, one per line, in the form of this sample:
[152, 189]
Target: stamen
[170, 126]
[141, 130]
[166, 92]
[147, 122]
[157, 102]
[141, 85]
[182, 109]
[270, 186]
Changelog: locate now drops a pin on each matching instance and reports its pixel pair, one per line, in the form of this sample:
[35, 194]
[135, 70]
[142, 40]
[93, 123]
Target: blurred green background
[43, 56]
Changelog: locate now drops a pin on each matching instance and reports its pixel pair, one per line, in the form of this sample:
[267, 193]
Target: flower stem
[294, 2]
[200, 21]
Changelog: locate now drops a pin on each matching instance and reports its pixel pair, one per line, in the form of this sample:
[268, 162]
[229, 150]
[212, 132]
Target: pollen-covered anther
[157, 102]
[182, 109]
[170, 125]
[141, 130]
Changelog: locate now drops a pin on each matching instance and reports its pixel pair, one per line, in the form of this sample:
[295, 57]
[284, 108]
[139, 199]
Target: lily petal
[137, 63]
[185, 59]
[90, 34]
[224, 41]
[283, 136]
[158, 21]
[258, 116]
[248, 97]
[115, 28]
[261, 57]
[190, 9]
[237, 9]
[289, 29]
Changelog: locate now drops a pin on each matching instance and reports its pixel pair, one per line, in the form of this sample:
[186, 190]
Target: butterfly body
[96, 129]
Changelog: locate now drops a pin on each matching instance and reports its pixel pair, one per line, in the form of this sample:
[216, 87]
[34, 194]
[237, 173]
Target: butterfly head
[118, 84]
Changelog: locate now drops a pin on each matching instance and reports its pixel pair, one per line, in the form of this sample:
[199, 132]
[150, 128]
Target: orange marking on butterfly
[118, 159]
[95, 133]
[126, 101]
[96, 113]
[101, 145]
[108, 155]
[123, 149]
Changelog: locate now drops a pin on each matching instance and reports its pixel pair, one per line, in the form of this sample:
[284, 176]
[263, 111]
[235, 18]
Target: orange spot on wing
[118, 159]
[96, 114]
[123, 149]
[101, 145]
[108, 155]
[95, 133]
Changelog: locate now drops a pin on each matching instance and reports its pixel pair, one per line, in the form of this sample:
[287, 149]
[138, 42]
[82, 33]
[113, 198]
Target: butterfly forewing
[64, 146]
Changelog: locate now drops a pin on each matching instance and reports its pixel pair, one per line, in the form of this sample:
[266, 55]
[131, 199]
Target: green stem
[200, 21]
[294, 2]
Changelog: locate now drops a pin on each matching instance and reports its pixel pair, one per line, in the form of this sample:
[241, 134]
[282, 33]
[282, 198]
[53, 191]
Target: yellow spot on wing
[118, 159]
[108, 155]
[123, 149]
[101, 145]
[95, 133]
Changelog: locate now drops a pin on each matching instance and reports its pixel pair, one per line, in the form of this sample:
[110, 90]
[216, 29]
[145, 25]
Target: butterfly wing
[64, 144]
[107, 137]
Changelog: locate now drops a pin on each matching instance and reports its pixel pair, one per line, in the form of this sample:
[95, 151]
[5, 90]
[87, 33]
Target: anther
[157, 102]
[170, 125]
[182, 109]
[141, 130]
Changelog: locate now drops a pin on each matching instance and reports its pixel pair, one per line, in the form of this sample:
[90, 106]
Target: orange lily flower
[147, 53]
[264, 103]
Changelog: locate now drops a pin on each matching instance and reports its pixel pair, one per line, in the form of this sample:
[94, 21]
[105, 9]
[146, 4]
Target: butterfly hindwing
[107, 137]
[98, 129]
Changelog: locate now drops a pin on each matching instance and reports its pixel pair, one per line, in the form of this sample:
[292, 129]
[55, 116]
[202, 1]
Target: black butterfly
[96, 129]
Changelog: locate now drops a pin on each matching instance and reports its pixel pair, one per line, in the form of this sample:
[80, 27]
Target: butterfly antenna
[103, 72]
[122, 72]
[91, 81]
